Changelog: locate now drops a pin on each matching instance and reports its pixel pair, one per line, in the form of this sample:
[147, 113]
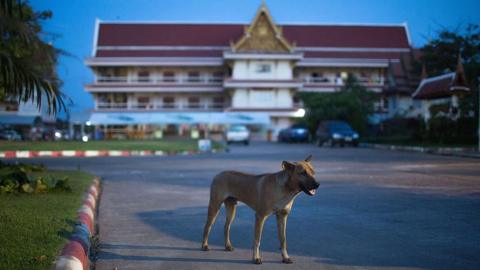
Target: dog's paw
[287, 260]
[229, 248]
[205, 248]
[257, 261]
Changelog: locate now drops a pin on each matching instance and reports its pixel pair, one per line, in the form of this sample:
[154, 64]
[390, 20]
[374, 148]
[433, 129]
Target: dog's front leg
[259, 221]
[282, 234]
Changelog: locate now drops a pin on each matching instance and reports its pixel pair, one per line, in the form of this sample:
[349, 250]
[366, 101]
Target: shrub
[444, 130]
[16, 178]
[439, 130]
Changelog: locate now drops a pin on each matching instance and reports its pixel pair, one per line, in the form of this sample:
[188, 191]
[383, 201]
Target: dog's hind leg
[213, 209]
[230, 207]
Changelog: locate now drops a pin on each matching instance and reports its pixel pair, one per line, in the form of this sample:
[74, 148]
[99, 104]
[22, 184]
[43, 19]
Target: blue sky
[73, 22]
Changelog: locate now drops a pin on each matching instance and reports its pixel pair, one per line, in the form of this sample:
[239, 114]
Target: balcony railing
[160, 80]
[338, 81]
[160, 106]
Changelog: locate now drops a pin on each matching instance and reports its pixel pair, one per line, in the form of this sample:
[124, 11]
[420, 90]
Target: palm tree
[27, 63]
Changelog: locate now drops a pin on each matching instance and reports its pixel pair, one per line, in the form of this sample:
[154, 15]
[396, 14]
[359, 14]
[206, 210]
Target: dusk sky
[73, 22]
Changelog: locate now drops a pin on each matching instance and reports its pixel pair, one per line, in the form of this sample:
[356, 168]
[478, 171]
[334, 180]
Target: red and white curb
[94, 153]
[74, 255]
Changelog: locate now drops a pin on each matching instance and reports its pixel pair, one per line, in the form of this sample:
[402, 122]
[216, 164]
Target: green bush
[17, 178]
[438, 130]
[444, 130]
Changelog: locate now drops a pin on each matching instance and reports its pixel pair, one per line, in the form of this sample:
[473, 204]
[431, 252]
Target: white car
[238, 134]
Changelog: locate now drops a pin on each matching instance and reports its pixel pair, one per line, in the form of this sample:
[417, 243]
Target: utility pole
[478, 124]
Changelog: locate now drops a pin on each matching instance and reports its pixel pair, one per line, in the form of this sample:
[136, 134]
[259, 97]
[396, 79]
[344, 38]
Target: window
[262, 98]
[193, 76]
[143, 76]
[318, 77]
[143, 103]
[168, 76]
[119, 100]
[218, 102]
[194, 102]
[168, 102]
[217, 76]
[103, 100]
[264, 68]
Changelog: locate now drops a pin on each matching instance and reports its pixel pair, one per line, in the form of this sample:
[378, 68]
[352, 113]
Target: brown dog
[266, 194]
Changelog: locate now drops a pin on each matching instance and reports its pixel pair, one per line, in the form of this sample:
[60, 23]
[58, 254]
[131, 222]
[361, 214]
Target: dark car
[10, 135]
[336, 133]
[295, 133]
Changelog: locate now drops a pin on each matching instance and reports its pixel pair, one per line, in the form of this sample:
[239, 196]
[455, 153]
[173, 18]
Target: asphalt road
[375, 209]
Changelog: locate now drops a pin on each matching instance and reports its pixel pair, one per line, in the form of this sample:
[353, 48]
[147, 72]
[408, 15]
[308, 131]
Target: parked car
[295, 133]
[336, 133]
[10, 135]
[238, 133]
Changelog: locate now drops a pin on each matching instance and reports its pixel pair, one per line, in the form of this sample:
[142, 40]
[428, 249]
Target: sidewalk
[468, 152]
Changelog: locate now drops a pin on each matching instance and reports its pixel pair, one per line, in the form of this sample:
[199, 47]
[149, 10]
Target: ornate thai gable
[262, 35]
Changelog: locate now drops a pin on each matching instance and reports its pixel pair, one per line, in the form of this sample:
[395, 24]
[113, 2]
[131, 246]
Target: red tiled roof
[220, 35]
[369, 55]
[158, 34]
[153, 53]
[347, 36]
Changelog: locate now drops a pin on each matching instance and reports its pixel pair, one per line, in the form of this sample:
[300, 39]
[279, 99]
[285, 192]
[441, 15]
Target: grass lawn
[34, 227]
[127, 145]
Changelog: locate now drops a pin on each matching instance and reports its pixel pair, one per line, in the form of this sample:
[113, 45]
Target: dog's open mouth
[308, 191]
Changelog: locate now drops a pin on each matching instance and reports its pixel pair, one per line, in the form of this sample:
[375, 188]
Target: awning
[134, 118]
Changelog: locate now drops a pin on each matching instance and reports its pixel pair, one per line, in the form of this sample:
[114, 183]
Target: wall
[262, 98]
[249, 69]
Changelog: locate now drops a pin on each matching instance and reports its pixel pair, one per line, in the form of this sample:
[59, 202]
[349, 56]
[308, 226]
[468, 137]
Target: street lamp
[299, 113]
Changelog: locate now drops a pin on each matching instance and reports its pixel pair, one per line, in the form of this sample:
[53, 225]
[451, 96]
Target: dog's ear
[309, 158]
[286, 165]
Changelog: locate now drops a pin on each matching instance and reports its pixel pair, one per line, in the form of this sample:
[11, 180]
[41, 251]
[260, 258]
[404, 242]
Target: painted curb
[443, 151]
[74, 255]
[98, 153]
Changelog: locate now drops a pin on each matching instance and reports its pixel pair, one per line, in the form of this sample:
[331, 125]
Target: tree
[354, 104]
[27, 63]
[440, 54]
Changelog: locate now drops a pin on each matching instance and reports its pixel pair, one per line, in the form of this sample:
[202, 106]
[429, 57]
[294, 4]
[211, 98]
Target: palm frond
[27, 64]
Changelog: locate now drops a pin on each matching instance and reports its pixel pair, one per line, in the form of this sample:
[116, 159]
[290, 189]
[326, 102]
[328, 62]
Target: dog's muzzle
[310, 188]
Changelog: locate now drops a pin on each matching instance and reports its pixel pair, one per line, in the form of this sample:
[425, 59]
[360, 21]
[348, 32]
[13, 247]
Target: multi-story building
[156, 78]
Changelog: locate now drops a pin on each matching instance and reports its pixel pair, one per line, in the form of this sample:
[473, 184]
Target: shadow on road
[367, 226]
[113, 256]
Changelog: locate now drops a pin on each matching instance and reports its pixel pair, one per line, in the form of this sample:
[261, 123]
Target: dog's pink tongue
[312, 191]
